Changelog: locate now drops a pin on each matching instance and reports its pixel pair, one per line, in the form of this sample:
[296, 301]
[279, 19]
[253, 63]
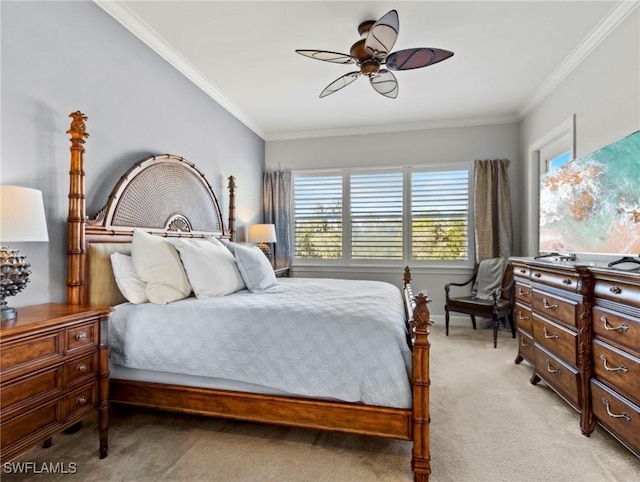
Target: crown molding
[599, 33]
[387, 128]
[126, 17]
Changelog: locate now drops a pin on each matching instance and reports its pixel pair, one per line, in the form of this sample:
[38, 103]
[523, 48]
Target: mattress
[321, 338]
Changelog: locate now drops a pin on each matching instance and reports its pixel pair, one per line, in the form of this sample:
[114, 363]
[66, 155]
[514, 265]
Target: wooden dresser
[54, 370]
[615, 386]
[579, 326]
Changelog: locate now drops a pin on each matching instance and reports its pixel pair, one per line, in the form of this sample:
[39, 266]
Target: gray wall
[58, 57]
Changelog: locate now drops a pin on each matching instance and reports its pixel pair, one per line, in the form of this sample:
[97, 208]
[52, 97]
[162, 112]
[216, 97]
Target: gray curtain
[277, 211]
[492, 210]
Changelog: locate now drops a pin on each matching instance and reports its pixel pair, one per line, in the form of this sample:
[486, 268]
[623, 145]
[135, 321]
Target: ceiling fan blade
[339, 83]
[385, 83]
[416, 58]
[382, 36]
[335, 57]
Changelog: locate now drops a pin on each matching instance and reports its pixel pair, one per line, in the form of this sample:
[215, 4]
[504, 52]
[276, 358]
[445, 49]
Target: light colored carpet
[488, 424]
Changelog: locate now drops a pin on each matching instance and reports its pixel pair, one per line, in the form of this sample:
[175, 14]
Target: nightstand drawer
[82, 336]
[31, 424]
[81, 367]
[82, 400]
[29, 352]
[31, 387]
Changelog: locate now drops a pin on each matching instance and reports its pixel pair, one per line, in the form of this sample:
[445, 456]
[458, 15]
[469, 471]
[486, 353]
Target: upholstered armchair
[491, 295]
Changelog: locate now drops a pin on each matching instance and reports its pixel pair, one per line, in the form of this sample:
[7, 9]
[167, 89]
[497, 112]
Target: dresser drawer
[523, 317]
[82, 336]
[525, 347]
[28, 353]
[568, 281]
[557, 339]
[523, 293]
[82, 400]
[618, 369]
[558, 375]
[31, 424]
[617, 414]
[618, 328]
[29, 388]
[619, 291]
[521, 271]
[555, 308]
[81, 367]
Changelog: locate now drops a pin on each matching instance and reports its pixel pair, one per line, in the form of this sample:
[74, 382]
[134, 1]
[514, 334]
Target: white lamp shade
[262, 233]
[22, 215]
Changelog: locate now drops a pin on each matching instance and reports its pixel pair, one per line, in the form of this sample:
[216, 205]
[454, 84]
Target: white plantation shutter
[439, 215]
[318, 216]
[376, 216]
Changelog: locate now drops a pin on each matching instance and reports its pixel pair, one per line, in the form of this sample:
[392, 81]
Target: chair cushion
[489, 278]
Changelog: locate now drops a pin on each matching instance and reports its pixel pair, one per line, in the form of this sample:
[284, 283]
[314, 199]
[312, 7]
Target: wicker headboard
[166, 195]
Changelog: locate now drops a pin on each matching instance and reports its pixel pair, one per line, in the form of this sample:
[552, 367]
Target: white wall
[401, 149]
[58, 57]
[604, 94]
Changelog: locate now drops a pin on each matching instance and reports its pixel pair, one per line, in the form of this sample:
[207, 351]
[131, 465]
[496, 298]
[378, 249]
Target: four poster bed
[145, 198]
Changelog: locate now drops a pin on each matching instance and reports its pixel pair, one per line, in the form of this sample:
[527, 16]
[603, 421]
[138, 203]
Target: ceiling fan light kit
[372, 52]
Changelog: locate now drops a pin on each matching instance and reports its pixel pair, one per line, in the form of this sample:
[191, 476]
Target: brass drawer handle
[615, 415]
[566, 281]
[522, 292]
[521, 317]
[621, 368]
[546, 304]
[524, 343]
[608, 327]
[536, 275]
[553, 336]
[523, 271]
[81, 336]
[615, 290]
[551, 370]
[81, 400]
[82, 367]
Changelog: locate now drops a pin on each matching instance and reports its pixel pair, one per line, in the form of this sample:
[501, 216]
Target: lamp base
[14, 276]
[266, 250]
[8, 313]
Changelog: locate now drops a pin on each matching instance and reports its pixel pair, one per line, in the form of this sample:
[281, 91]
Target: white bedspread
[322, 338]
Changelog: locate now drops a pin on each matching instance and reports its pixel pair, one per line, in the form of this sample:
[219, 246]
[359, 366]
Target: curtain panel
[492, 210]
[277, 211]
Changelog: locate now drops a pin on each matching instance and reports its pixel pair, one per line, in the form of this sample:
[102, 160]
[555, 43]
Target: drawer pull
[81, 400]
[621, 368]
[551, 370]
[615, 415]
[608, 327]
[536, 275]
[566, 281]
[546, 304]
[81, 367]
[553, 336]
[524, 343]
[522, 292]
[522, 317]
[523, 271]
[81, 336]
[615, 290]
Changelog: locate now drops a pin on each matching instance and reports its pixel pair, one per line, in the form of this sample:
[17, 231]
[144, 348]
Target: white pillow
[210, 267]
[157, 263]
[255, 268]
[129, 283]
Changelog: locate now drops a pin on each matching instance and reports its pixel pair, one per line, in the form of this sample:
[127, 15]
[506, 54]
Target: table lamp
[22, 219]
[262, 234]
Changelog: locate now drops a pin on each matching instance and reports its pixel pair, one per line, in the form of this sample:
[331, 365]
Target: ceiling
[508, 56]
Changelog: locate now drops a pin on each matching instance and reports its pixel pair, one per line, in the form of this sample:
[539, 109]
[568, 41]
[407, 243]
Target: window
[403, 214]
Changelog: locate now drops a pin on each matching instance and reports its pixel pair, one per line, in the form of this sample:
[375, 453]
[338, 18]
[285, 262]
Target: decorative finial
[232, 183]
[77, 128]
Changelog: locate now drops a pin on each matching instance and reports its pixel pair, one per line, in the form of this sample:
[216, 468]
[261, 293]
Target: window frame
[347, 260]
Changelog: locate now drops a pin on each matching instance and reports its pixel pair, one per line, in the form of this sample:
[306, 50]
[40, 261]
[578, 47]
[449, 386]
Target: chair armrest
[448, 286]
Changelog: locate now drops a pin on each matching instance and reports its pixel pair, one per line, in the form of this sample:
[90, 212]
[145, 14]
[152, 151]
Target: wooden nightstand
[283, 272]
[54, 370]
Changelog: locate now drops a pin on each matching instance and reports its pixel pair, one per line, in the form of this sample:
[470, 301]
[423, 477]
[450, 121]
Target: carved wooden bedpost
[76, 253]
[421, 461]
[232, 208]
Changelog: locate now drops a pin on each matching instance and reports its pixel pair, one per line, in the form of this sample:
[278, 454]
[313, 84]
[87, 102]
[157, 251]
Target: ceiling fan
[372, 52]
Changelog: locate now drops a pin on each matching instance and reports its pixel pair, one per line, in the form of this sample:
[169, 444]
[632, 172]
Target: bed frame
[146, 197]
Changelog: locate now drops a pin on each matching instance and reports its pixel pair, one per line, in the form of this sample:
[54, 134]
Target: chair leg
[513, 326]
[495, 331]
[446, 322]
[473, 321]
